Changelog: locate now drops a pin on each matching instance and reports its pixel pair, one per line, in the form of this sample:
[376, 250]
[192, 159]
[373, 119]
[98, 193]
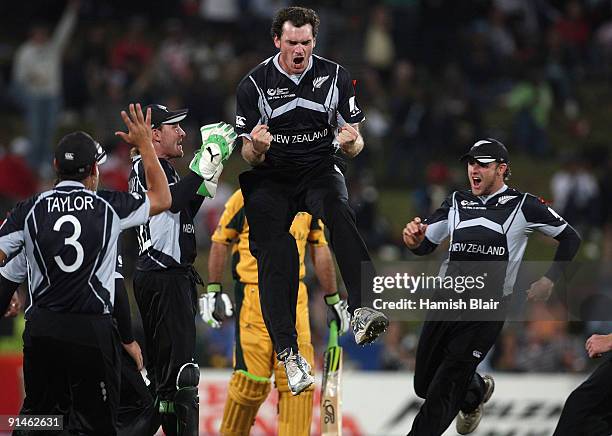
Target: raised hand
[414, 233]
[540, 290]
[139, 127]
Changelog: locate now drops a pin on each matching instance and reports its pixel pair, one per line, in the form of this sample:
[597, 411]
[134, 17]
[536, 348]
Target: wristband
[332, 299]
[213, 287]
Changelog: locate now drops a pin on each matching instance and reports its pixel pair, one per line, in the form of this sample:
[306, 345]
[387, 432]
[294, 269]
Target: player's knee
[187, 382]
[188, 376]
[245, 389]
[246, 393]
[336, 207]
[186, 401]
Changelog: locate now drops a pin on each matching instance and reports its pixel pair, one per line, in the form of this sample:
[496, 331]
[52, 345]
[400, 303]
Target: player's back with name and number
[70, 236]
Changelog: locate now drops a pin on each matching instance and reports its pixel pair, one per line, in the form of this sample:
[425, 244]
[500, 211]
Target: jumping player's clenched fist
[347, 135]
[261, 138]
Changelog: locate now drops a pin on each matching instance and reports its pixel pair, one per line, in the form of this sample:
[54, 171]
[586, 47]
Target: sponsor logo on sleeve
[240, 121]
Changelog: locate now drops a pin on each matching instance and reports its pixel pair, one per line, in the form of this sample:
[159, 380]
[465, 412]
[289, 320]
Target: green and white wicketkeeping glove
[217, 145]
[215, 305]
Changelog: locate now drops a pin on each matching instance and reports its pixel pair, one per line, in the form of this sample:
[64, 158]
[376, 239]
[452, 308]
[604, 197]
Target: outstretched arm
[569, 243]
[415, 239]
[185, 191]
[139, 134]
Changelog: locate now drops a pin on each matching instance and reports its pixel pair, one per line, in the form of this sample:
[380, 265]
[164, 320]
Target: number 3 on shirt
[72, 241]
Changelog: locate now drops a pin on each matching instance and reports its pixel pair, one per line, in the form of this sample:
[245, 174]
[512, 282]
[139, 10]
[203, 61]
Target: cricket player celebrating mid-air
[298, 116]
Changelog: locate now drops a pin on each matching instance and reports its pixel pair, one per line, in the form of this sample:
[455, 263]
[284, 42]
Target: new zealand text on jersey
[478, 248]
[69, 204]
[302, 137]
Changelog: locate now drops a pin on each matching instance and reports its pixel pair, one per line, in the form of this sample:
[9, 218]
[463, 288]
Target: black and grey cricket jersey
[167, 240]
[16, 269]
[490, 229]
[69, 236]
[303, 112]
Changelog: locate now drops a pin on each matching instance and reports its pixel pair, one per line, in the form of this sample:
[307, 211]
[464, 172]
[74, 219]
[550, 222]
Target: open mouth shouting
[298, 62]
[476, 182]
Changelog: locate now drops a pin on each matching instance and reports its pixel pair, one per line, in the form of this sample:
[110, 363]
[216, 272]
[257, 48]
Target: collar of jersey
[69, 184]
[295, 78]
[485, 198]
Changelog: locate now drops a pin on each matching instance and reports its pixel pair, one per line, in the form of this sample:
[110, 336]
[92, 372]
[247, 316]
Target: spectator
[379, 48]
[576, 193]
[531, 99]
[37, 77]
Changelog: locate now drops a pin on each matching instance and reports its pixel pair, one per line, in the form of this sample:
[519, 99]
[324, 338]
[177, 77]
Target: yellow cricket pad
[244, 397]
[294, 412]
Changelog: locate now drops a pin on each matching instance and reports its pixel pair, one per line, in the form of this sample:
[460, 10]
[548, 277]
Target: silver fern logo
[316, 83]
[505, 198]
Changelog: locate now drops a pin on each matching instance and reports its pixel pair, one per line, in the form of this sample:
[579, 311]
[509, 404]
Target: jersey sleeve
[437, 224]
[247, 110]
[232, 220]
[137, 180]
[541, 217]
[348, 110]
[316, 236]
[12, 230]
[132, 208]
[16, 269]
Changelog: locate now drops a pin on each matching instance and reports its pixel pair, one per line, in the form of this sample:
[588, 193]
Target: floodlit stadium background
[432, 77]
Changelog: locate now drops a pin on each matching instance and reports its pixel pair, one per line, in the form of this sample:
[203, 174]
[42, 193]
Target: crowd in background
[431, 75]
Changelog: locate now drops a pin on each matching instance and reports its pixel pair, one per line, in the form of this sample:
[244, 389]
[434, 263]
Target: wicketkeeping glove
[217, 145]
[215, 305]
[337, 310]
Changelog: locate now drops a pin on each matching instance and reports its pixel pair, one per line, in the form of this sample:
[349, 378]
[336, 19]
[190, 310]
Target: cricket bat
[331, 401]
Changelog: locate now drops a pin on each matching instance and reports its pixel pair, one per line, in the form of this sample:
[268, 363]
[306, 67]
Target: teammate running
[488, 223]
[297, 114]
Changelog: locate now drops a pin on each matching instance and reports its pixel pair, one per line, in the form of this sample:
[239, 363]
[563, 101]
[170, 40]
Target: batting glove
[337, 310]
[215, 305]
[217, 145]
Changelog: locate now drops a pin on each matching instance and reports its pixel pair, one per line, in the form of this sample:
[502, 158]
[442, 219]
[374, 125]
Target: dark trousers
[71, 378]
[136, 414]
[272, 198]
[588, 409]
[167, 302]
[445, 371]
